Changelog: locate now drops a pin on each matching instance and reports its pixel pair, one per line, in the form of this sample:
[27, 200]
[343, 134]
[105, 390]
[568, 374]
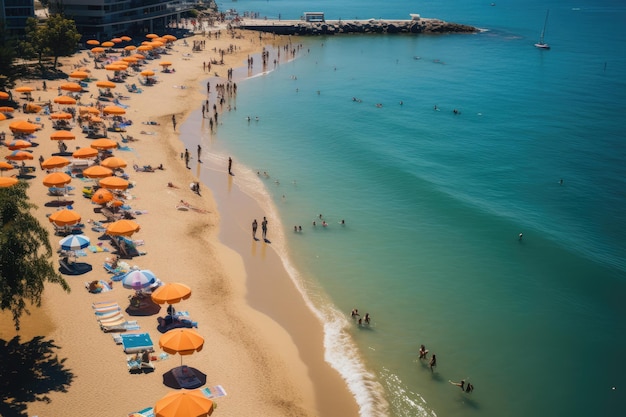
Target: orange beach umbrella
[6, 182]
[62, 135]
[4, 95]
[85, 153]
[81, 75]
[103, 143]
[23, 126]
[114, 183]
[64, 100]
[105, 84]
[122, 228]
[64, 217]
[171, 293]
[19, 156]
[113, 110]
[113, 162]
[184, 403]
[5, 166]
[183, 341]
[24, 89]
[97, 50]
[97, 171]
[56, 179]
[102, 196]
[55, 162]
[74, 87]
[60, 116]
[93, 42]
[18, 144]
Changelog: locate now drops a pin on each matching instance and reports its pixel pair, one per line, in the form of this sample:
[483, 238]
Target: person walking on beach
[174, 121]
[199, 152]
[433, 362]
[264, 228]
[230, 165]
[254, 226]
[187, 157]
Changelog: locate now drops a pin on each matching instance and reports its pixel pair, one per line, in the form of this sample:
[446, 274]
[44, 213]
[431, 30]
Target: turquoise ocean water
[434, 202]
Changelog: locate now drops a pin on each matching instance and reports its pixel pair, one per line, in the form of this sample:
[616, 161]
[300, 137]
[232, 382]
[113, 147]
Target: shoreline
[254, 359]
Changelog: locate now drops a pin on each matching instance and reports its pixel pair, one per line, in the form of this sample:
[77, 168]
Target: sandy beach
[268, 362]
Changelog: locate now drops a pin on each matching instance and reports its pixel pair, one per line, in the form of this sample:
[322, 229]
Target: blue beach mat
[136, 342]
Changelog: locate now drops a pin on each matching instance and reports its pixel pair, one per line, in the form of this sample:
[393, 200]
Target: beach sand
[269, 359]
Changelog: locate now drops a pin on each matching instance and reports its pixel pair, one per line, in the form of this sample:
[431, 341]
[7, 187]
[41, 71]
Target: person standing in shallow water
[433, 362]
[230, 165]
[254, 226]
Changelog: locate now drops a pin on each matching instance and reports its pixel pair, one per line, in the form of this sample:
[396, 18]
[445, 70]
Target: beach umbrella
[184, 403]
[6, 109]
[81, 75]
[102, 196]
[85, 153]
[183, 341]
[126, 38]
[113, 183]
[56, 179]
[23, 126]
[147, 73]
[55, 162]
[97, 171]
[6, 182]
[60, 116]
[2, 117]
[74, 242]
[24, 89]
[165, 63]
[122, 228]
[18, 144]
[171, 293]
[113, 162]
[19, 156]
[116, 110]
[139, 57]
[95, 119]
[64, 100]
[144, 48]
[97, 50]
[74, 87]
[129, 59]
[116, 40]
[62, 135]
[93, 42]
[5, 166]
[111, 67]
[33, 108]
[130, 47]
[152, 35]
[169, 37]
[4, 95]
[138, 279]
[107, 44]
[64, 217]
[103, 143]
[105, 84]
[90, 109]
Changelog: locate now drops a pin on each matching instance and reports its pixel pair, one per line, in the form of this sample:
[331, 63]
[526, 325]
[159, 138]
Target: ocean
[363, 129]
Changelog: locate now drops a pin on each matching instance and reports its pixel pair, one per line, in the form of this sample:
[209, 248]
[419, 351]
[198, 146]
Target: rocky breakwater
[337, 27]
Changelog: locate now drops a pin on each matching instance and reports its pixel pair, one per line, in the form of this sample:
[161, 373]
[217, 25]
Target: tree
[25, 253]
[7, 56]
[35, 43]
[62, 36]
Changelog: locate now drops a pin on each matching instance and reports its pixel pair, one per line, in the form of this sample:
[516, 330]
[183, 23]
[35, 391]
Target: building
[104, 19]
[313, 17]
[13, 14]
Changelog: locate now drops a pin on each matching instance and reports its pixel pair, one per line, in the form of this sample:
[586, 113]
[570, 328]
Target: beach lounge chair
[110, 216]
[125, 247]
[73, 268]
[174, 322]
[119, 327]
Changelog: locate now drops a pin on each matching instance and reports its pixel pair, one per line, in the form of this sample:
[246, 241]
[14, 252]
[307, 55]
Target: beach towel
[103, 287]
[136, 342]
[146, 412]
[214, 392]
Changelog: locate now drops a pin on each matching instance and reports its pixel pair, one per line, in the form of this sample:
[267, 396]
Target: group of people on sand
[423, 353]
[357, 317]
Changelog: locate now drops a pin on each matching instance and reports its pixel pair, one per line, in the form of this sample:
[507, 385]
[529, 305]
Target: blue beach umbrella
[138, 279]
[74, 242]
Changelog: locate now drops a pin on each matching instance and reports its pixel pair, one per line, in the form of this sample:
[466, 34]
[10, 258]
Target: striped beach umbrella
[138, 279]
[74, 242]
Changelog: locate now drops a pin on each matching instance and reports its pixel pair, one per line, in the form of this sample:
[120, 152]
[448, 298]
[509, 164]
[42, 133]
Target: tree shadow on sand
[29, 372]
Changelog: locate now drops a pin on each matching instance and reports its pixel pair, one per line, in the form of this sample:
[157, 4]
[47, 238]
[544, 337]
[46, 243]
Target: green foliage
[25, 253]
[62, 36]
[57, 37]
[8, 73]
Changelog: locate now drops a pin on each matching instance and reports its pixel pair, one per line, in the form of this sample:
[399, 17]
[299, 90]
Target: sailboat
[541, 44]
